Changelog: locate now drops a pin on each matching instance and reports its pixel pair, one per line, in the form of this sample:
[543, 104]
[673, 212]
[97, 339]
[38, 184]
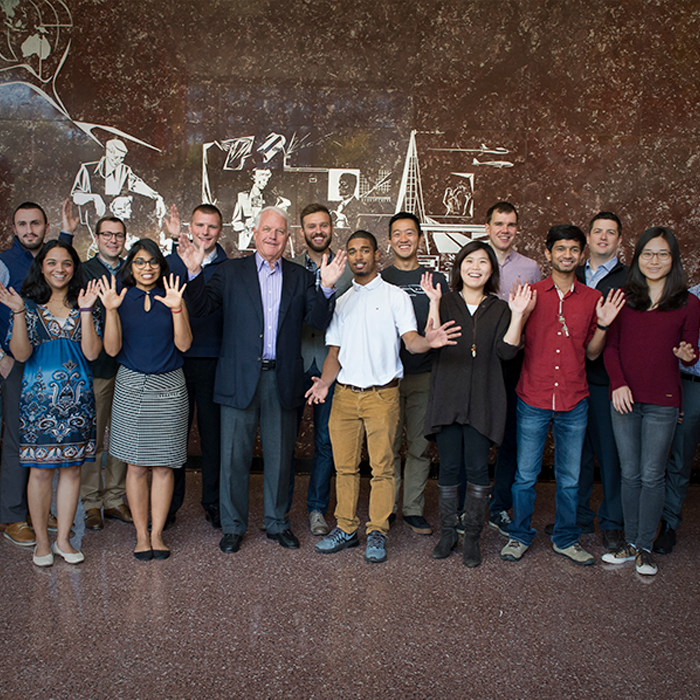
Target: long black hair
[675, 292]
[36, 288]
[456, 281]
[151, 247]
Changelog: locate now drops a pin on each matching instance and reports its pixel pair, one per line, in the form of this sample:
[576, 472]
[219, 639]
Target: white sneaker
[644, 563]
[623, 553]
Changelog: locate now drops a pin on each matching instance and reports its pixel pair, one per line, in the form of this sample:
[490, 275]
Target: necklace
[474, 317]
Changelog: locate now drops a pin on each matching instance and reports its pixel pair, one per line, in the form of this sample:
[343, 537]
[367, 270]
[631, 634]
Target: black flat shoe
[161, 553]
[146, 555]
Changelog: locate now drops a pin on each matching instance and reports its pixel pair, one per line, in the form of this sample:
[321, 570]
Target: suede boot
[475, 506]
[448, 499]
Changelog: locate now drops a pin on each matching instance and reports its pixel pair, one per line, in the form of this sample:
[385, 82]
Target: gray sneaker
[317, 523]
[336, 541]
[576, 553]
[376, 547]
[500, 522]
[514, 550]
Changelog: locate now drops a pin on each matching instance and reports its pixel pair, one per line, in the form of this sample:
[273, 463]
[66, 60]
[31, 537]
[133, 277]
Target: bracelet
[16, 313]
[179, 311]
[88, 309]
[603, 328]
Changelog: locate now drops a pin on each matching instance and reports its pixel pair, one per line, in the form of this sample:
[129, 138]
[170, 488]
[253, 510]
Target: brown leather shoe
[52, 525]
[21, 534]
[121, 512]
[93, 519]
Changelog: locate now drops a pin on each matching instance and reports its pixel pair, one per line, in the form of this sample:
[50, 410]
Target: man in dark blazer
[260, 373]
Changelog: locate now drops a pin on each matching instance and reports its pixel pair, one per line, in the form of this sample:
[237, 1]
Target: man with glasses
[94, 494]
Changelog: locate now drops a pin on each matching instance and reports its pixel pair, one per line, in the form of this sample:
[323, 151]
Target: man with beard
[317, 227]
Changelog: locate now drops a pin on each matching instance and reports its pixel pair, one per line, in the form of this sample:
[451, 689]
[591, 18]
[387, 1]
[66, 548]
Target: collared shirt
[270, 280]
[694, 369]
[554, 368]
[4, 274]
[113, 270]
[210, 258]
[592, 278]
[367, 326]
[517, 268]
[315, 269]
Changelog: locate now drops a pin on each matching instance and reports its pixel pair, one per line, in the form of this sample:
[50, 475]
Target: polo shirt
[367, 326]
[554, 367]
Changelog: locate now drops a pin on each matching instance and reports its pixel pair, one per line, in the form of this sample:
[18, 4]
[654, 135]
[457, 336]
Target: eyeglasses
[108, 236]
[661, 255]
[140, 263]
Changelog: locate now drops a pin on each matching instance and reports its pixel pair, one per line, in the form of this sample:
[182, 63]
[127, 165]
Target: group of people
[604, 354]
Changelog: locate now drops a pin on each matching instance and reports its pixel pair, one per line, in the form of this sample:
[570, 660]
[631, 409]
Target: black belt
[268, 364]
[392, 384]
[690, 377]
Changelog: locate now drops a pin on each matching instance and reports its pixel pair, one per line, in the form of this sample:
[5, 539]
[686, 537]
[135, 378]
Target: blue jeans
[322, 465]
[569, 429]
[680, 464]
[643, 438]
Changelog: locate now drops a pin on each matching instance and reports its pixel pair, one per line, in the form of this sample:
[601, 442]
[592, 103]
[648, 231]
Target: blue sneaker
[376, 547]
[336, 540]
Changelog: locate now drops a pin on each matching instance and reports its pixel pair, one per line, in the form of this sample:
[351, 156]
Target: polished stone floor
[273, 623]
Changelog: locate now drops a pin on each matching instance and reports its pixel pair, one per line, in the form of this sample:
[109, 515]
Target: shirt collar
[606, 266]
[311, 265]
[260, 262]
[370, 285]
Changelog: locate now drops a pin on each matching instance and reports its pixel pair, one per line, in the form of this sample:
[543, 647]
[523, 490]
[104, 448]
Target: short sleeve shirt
[367, 326]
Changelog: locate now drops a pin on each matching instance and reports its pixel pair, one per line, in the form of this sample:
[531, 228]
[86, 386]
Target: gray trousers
[278, 430]
[13, 477]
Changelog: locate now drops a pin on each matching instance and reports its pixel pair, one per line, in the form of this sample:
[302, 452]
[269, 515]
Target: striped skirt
[149, 419]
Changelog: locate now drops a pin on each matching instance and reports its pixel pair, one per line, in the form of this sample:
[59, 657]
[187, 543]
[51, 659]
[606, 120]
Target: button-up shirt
[554, 368]
[517, 268]
[270, 280]
[592, 278]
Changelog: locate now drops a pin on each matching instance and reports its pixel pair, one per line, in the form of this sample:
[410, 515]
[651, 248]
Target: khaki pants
[354, 414]
[413, 402]
[92, 494]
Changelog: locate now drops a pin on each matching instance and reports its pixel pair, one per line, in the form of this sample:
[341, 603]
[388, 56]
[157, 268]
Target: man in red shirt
[568, 324]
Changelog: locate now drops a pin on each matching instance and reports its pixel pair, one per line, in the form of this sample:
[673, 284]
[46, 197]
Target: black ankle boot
[476, 504]
[448, 498]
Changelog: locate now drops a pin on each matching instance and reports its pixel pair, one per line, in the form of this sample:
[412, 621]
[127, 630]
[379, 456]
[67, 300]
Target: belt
[690, 377]
[391, 385]
[268, 364]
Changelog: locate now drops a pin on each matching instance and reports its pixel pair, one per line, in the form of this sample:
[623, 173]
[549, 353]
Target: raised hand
[446, 334]
[173, 292]
[331, 272]
[68, 222]
[318, 391]
[107, 291]
[426, 284]
[192, 256]
[173, 224]
[522, 299]
[684, 352]
[88, 296]
[11, 299]
[607, 310]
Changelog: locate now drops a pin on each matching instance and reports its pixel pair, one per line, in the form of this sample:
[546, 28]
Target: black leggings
[462, 445]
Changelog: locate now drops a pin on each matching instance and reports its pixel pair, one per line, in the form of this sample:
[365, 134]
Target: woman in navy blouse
[147, 329]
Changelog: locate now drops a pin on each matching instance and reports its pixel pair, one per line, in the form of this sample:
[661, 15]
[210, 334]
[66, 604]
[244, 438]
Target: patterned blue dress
[57, 422]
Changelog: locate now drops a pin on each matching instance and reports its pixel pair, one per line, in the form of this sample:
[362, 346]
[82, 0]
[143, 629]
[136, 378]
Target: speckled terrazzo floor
[273, 623]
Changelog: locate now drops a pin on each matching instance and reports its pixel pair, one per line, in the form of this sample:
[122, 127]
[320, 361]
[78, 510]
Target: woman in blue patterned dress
[53, 331]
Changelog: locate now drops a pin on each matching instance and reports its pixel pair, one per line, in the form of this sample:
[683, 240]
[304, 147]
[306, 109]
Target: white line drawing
[493, 163]
[106, 182]
[498, 151]
[272, 145]
[239, 150]
[250, 202]
[459, 200]
[344, 188]
[35, 44]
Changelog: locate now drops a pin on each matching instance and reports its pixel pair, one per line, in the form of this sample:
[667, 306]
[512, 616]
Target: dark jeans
[600, 445]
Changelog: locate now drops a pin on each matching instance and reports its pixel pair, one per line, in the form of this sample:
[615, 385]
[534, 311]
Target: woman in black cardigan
[467, 405]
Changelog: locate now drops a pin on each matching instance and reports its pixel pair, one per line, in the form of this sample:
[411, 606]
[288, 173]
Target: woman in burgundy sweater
[657, 327]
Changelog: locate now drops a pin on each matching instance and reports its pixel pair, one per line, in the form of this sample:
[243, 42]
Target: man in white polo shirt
[364, 339]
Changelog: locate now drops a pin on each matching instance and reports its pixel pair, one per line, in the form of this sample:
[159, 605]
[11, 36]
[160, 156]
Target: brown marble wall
[562, 107]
